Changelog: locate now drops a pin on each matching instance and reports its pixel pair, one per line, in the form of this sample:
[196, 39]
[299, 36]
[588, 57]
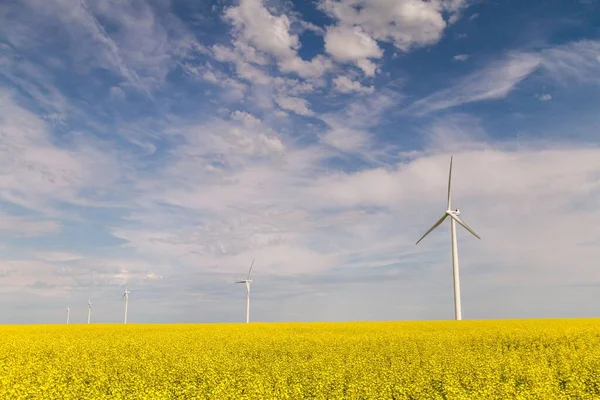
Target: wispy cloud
[576, 61]
[24, 226]
[36, 173]
[141, 46]
[492, 82]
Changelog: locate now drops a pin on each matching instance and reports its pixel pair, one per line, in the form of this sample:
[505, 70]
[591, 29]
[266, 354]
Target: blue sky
[162, 145]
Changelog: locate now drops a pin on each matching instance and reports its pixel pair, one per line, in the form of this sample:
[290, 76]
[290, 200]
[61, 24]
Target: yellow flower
[547, 359]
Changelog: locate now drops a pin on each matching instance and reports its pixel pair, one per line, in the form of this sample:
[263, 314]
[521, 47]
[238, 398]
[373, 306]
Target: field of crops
[539, 359]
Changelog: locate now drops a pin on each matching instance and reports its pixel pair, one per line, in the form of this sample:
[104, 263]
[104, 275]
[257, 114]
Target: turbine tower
[454, 218]
[89, 310]
[68, 312]
[126, 296]
[247, 281]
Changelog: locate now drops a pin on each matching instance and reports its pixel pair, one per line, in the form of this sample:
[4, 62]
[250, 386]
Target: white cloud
[293, 87]
[295, 104]
[255, 27]
[344, 84]
[350, 43]
[309, 26]
[250, 54]
[461, 57]
[210, 76]
[252, 74]
[234, 90]
[246, 118]
[405, 23]
[212, 150]
[545, 97]
[369, 68]
[244, 69]
[314, 68]
[269, 33]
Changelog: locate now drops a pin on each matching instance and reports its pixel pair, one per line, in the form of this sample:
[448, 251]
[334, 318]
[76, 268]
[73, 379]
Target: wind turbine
[89, 310]
[247, 281]
[68, 312]
[126, 296]
[454, 218]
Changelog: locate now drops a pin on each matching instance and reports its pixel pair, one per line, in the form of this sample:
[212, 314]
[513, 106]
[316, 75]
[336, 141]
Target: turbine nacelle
[453, 214]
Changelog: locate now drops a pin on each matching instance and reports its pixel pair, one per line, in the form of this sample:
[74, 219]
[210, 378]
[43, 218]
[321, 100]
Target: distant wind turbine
[126, 296]
[247, 281]
[89, 310]
[454, 217]
[68, 312]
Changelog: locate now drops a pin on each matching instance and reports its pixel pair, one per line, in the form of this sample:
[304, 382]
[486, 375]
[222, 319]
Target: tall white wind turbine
[68, 314]
[89, 310]
[126, 296]
[247, 281]
[454, 218]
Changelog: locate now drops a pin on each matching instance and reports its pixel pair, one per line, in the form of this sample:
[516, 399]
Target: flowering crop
[519, 359]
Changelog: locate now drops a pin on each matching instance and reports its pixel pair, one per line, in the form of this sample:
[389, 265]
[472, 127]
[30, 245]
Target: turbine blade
[251, 265]
[450, 185]
[464, 224]
[433, 227]
[239, 282]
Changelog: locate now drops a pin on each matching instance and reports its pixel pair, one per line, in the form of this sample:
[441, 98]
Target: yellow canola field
[519, 359]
